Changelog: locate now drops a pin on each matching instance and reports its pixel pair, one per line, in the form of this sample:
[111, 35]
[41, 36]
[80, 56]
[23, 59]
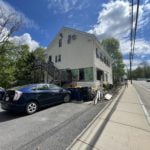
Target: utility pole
[133, 33]
[130, 56]
[131, 39]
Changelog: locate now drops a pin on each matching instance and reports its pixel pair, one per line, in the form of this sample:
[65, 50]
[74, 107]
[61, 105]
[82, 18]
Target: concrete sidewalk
[122, 126]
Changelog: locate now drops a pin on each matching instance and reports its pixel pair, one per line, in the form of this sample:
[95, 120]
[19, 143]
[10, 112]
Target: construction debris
[108, 96]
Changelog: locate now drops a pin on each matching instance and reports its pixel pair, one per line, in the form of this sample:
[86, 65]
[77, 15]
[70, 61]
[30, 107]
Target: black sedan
[30, 98]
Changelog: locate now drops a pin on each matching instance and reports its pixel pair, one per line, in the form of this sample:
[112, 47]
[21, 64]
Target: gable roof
[92, 36]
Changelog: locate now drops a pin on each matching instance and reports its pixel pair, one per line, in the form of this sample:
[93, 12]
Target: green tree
[25, 73]
[8, 57]
[39, 54]
[23, 66]
[112, 46]
[142, 71]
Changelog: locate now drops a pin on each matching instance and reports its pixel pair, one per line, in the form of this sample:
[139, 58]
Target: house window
[101, 56]
[55, 58]
[99, 74]
[97, 54]
[88, 74]
[74, 37]
[108, 63]
[60, 42]
[59, 58]
[50, 59]
[81, 74]
[75, 74]
[104, 59]
[106, 77]
[61, 35]
[69, 39]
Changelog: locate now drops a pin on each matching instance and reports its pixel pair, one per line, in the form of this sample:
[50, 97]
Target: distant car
[30, 98]
[148, 80]
[2, 93]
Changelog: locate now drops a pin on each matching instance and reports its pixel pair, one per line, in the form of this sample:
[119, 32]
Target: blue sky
[49, 18]
[104, 18]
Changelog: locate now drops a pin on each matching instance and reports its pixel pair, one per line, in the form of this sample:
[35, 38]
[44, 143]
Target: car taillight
[17, 95]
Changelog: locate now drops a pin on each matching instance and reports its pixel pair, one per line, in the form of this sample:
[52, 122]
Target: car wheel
[31, 108]
[67, 98]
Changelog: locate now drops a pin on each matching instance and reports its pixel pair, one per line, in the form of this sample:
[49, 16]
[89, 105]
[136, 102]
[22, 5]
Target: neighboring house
[83, 54]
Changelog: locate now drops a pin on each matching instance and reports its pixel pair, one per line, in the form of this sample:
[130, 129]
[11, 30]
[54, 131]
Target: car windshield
[42, 87]
[53, 86]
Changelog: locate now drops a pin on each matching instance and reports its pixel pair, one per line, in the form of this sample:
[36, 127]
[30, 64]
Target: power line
[133, 33]
[135, 29]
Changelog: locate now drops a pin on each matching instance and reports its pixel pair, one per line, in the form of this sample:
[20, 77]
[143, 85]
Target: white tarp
[108, 96]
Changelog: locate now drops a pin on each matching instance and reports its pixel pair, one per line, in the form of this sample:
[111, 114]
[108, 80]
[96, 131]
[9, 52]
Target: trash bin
[75, 93]
[86, 93]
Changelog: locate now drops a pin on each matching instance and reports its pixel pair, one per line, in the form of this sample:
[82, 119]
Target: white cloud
[25, 39]
[147, 1]
[142, 47]
[142, 52]
[114, 21]
[7, 10]
[65, 6]
[136, 63]
[13, 18]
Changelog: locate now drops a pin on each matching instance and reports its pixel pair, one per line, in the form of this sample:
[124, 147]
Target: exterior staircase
[49, 73]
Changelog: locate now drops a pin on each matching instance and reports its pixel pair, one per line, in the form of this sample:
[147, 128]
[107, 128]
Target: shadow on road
[7, 116]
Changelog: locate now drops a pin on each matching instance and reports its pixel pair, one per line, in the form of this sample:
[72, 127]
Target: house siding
[79, 54]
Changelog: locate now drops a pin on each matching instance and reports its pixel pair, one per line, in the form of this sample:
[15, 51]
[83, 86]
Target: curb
[121, 91]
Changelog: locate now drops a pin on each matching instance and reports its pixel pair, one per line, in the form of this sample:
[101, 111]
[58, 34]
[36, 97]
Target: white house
[83, 54]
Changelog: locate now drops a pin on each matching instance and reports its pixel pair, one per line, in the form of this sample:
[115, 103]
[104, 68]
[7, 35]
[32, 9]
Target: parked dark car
[2, 93]
[30, 98]
[148, 80]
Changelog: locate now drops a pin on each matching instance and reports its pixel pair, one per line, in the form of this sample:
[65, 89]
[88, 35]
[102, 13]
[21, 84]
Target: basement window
[81, 75]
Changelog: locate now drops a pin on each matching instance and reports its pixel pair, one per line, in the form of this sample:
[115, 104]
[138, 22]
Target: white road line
[144, 109]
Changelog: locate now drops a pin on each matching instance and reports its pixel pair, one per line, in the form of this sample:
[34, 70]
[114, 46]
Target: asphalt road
[143, 88]
[53, 128]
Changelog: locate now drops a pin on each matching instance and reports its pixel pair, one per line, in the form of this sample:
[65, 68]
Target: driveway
[52, 128]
